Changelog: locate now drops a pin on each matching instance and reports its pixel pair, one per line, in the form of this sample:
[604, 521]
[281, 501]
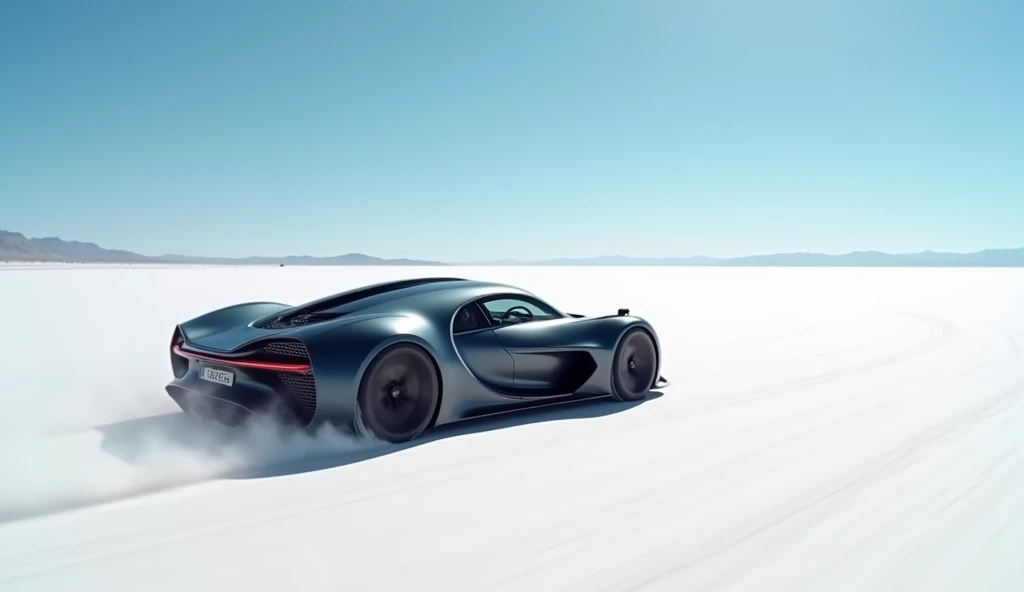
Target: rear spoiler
[222, 319]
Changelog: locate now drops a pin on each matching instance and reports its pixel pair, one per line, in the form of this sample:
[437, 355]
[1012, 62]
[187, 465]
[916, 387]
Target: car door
[480, 349]
[528, 329]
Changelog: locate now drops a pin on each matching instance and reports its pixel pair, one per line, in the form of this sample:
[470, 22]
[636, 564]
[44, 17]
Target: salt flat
[827, 429]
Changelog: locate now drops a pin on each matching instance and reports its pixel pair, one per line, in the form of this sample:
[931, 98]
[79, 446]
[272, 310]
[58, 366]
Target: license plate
[219, 376]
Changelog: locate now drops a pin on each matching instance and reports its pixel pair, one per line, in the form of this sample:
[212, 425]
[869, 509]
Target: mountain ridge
[15, 246]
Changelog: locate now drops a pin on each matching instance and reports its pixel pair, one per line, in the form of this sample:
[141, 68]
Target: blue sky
[473, 130]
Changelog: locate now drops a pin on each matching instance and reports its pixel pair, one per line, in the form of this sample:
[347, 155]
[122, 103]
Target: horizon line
[173, 255]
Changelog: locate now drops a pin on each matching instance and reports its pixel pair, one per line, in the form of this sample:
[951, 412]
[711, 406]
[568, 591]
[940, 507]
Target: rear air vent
[294, 349]
[302, 388]
[301, 320]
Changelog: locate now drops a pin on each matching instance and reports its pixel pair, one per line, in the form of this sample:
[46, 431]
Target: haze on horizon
[456, 131]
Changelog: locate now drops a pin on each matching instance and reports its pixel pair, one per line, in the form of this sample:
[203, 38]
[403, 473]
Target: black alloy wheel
[635, 366]
[398, 394]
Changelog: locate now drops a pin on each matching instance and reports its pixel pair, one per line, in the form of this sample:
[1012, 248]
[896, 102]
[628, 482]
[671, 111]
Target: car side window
[506, 311]
[469, 318]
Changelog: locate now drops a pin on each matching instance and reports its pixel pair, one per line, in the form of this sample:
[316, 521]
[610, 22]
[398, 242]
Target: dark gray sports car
[392, 359]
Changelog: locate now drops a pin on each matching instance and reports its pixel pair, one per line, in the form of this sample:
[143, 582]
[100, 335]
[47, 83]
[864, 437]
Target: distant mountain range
[16, 247]
[986, 258]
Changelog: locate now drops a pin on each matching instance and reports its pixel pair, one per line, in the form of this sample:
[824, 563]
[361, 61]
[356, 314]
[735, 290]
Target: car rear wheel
[398, 394]
[635, 366]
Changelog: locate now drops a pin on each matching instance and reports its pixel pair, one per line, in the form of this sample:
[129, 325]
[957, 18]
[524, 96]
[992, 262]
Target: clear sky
[483, 129]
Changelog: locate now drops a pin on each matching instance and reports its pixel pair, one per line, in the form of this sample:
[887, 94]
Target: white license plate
[219, 376]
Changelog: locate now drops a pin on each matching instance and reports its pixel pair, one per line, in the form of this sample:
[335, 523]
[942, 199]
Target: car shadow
[129, 440]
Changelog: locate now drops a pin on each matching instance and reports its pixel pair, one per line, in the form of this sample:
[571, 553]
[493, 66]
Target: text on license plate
[219, 376]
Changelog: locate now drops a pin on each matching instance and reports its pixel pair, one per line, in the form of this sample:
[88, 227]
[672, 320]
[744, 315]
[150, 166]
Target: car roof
[445, 291]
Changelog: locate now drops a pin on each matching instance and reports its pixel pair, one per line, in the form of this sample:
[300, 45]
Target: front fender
[609, 333]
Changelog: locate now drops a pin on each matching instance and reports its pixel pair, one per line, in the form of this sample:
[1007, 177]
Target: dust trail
[46, 472]
[83, 414]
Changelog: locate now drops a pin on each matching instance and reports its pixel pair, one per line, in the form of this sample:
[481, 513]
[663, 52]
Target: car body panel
[486, 359]
[490, 370]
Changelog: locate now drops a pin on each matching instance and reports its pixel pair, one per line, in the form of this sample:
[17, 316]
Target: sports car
[392, 359]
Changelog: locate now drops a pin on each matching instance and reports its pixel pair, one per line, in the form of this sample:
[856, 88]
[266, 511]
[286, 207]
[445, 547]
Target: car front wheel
[635, 366]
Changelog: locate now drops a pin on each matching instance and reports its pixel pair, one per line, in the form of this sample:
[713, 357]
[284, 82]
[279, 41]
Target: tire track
[941, 333]
[883, 466]
[666, 488]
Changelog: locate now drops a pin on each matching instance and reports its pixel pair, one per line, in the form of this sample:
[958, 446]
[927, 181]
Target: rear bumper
[234, 405]
[283, 392]
[210, 407]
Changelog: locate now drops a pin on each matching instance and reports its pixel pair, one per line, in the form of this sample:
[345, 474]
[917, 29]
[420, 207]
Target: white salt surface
[827, 429]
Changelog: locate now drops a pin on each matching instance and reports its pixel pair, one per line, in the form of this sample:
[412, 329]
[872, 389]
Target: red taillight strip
[276, 366]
